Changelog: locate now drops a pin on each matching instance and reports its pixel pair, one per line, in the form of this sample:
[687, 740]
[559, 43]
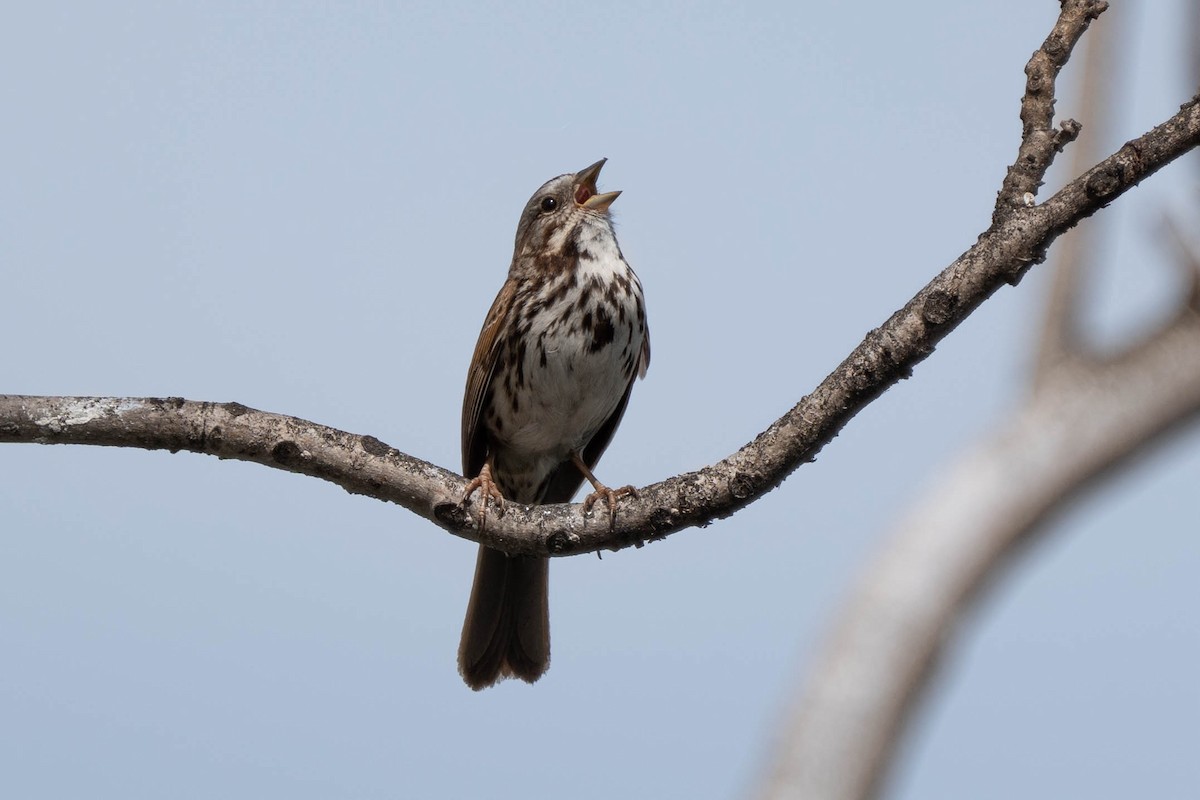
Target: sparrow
[548, 383]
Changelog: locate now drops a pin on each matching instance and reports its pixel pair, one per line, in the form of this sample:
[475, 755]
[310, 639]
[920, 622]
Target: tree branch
[1016, 240]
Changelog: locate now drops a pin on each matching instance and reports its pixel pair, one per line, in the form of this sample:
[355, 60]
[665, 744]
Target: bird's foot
[488, 491]
[610, 496]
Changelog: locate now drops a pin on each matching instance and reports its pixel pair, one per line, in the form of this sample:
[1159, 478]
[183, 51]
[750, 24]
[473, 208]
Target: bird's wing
[479, 380]
[644, 362]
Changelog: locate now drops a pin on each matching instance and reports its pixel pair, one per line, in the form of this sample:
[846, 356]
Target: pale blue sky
[308, 209]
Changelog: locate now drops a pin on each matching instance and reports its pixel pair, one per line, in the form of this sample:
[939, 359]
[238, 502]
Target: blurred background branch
[1091, 412]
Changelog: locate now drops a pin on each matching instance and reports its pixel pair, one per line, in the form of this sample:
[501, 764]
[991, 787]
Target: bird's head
[559, 207]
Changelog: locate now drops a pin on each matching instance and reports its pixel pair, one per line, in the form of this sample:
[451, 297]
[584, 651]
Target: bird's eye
[549, 204]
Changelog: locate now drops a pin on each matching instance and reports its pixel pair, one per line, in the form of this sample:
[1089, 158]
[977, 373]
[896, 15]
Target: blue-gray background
[307, 208]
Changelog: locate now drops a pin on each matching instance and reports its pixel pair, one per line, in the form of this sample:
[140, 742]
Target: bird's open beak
[585, 188]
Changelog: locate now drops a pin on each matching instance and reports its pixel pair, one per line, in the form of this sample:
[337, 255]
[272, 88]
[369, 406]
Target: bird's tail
[507, 629]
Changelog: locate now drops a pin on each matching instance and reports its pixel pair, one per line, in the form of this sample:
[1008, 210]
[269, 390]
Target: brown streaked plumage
[548, 383]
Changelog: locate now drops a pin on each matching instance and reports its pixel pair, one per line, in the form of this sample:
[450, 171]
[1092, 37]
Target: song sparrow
[547, 386]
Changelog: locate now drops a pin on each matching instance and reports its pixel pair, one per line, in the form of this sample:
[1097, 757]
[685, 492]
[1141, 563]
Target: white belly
[577, 365]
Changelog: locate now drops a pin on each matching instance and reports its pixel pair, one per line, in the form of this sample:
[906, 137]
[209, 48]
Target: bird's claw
[489, 491]
[611, 497]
